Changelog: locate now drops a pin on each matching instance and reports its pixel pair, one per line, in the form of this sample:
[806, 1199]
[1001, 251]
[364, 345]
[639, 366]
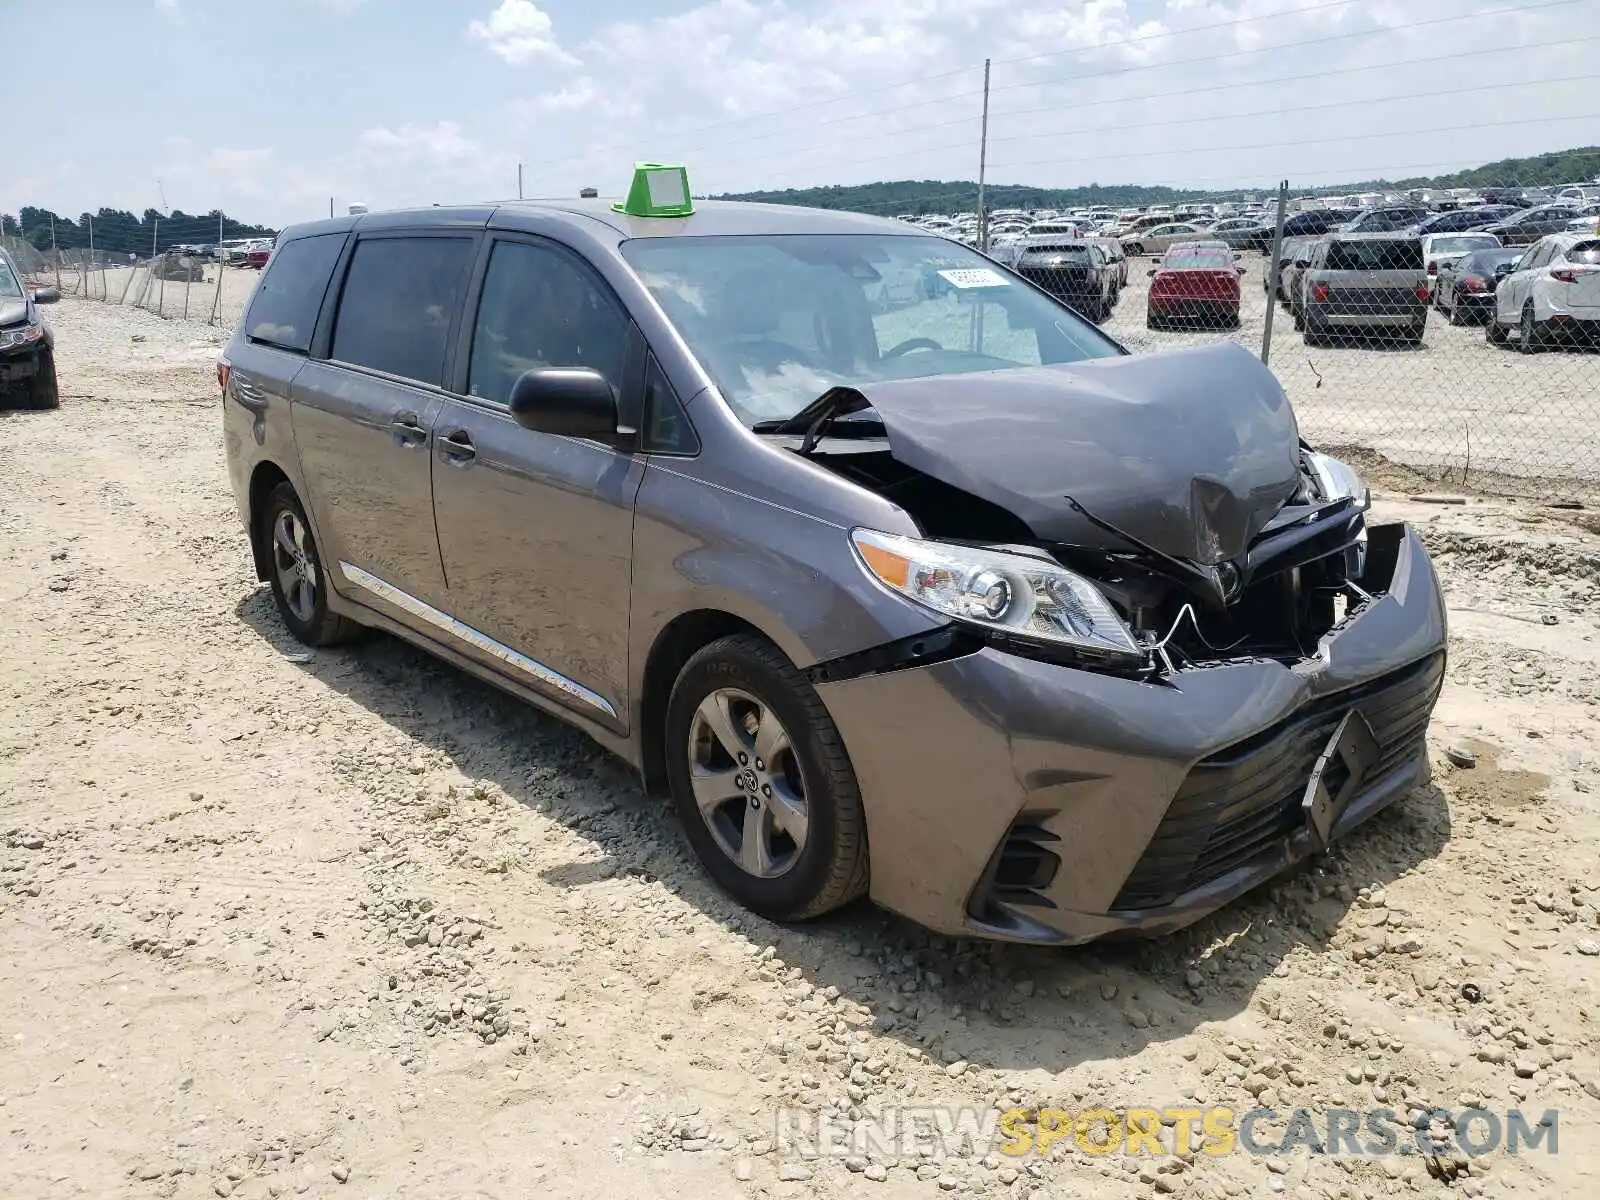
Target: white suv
[1551, 294]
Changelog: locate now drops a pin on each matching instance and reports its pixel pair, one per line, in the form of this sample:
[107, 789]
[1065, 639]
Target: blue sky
[269, 109]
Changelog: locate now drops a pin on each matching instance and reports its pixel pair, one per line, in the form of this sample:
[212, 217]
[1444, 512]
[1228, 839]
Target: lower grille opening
[1021, 871]
[1243, 802]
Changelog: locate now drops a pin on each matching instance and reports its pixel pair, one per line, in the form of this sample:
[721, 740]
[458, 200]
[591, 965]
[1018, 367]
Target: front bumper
[19, 363]
[1023, 800]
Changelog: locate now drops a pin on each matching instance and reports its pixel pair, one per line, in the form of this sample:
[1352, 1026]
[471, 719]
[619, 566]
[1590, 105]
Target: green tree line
[916, 196]
[118, 231]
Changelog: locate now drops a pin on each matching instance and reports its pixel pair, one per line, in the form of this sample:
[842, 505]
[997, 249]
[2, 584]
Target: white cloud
[171, 10]
[440, 143]
[520, 31]
[580, 93]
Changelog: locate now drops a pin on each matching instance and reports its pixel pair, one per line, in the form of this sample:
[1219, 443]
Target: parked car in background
[1528, 226]
[1465, 287]
[256, 254]
[1291, 249]
[1313, 222]
[1239, 232]
[1290, 272]
[27, 347]
[1073, 271]
[1195, 281]
[1386, 219]
[1365, 282]
[1158, 238]
[1462, 219]
[1115, 257]
[1551, 296]
[1440, 248]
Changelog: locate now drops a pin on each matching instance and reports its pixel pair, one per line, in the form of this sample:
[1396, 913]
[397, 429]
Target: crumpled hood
[13, 312]
[1190, 452]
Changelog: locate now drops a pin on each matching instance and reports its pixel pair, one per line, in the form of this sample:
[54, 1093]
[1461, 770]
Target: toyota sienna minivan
[944, 600]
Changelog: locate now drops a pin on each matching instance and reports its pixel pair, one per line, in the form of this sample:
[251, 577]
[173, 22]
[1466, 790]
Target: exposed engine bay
[1177, 485]
[1315, 565]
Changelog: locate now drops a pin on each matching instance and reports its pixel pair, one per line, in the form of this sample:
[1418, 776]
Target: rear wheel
[1493, 332]
[42, 391]
[1531, 334]
[762, 782]
[1453, 313]
[298, 579]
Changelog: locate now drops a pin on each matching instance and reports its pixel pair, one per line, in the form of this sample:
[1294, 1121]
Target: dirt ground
[348, 922]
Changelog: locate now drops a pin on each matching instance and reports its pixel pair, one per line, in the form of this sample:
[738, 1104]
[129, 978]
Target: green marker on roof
[658, 190]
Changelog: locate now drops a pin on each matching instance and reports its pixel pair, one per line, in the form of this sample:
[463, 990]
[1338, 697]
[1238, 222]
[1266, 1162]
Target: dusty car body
[1029, 638]
[27, 346]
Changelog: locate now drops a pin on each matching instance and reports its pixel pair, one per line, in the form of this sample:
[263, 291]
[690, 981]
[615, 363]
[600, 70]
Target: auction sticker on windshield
[974, 277]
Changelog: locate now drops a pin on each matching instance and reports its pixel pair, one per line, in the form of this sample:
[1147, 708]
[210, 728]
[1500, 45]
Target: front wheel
[1531, 334]
[42, 389]
[762, 782]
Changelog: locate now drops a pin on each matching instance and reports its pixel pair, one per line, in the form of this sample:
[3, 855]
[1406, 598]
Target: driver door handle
[407, 430]
[456, 447]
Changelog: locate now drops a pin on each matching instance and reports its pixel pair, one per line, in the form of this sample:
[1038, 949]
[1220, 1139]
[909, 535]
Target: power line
[930, 78]
[1497, 85]
[923, 104]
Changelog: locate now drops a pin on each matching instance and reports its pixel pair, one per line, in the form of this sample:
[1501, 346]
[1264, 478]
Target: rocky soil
[348, 922]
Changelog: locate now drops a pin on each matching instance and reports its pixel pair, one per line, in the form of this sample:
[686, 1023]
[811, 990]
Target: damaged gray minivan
[901, 578]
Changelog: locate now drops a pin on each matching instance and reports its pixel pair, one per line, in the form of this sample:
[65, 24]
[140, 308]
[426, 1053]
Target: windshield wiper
[814, 419]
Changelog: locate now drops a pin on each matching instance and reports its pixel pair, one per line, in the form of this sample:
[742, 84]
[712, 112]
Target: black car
[1073, 271]
[1312, 223]
[27, 349]
[1464, 289]
[1460, 220]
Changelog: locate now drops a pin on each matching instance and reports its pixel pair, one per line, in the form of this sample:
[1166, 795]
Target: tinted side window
[283, 311]
[541, 309]
[399, 300]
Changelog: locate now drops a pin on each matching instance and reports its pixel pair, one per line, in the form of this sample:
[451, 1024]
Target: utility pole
[983, 163]
[519, 181]
[1272, 272]
[330, 208]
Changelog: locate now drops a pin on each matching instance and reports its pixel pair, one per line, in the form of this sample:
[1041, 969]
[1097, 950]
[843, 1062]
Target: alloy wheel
[747, 782]
[295, 563]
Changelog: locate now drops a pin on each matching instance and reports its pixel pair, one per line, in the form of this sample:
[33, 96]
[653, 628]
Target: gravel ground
[351, 923]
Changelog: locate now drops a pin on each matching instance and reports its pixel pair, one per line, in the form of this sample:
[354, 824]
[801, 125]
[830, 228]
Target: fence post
[216, 297]
[88, 265]
[55, 255]
[188, 280]
[123, 299]
[1272, 272]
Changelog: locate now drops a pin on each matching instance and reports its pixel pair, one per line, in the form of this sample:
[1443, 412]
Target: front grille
[1244, 801]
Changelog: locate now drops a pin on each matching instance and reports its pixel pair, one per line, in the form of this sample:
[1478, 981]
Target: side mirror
[1502, 270]
[46, 295]
[570, 401]
[1152, 272]
[1239, 269]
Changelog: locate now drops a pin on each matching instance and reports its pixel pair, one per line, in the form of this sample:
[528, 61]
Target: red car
[1196, 281]
[256, 255]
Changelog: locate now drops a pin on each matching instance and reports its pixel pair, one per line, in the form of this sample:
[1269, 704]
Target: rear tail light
[1472, 284]
[1319, 292]
[1422, 291]
[1433, 268]
[223, 370]
[1571, 274]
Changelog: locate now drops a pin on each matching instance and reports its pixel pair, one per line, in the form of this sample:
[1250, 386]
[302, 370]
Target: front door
[536, 530]
[363, 419]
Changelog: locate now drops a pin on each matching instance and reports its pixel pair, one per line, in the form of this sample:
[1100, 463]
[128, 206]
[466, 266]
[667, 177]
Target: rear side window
[1585, 252]
[399, 300]
[1385, 255]
[284, 310]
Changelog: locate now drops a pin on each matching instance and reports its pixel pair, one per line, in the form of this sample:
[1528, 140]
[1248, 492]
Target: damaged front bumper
[1012, 798]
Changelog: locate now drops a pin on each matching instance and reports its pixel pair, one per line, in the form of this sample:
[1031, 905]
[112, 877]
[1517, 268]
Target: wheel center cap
[746, 779]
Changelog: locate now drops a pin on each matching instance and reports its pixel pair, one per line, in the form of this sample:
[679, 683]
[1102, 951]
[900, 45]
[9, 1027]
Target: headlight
[1337, 479]
[21, 336]
[1009, 594]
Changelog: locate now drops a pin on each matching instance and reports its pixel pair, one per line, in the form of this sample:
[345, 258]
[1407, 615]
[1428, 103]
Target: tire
[1531, 339]
[1151, 321]
[309, 620]
[1300, 322]
[1453, 315]
[1493, 332]
[814, 875]
[42, 391]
